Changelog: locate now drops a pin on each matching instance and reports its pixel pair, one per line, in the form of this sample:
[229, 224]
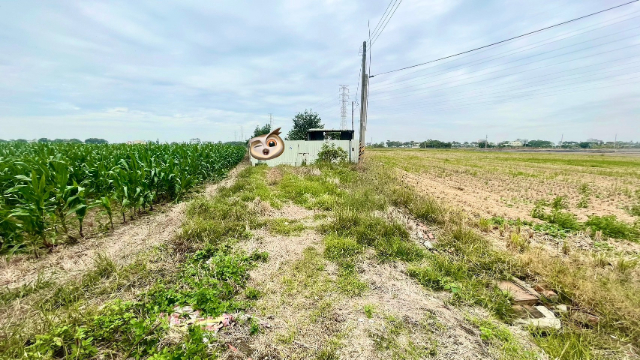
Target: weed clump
[612, 227]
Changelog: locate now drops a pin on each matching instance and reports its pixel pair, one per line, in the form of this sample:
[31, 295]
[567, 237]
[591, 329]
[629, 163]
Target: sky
[214, 70]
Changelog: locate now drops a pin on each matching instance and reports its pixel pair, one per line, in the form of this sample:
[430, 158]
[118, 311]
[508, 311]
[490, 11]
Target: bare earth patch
[313, 319]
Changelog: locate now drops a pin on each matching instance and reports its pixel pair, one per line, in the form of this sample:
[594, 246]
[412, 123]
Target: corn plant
[46, 187]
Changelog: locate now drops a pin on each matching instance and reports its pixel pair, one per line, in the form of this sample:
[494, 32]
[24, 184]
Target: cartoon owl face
[266, 147]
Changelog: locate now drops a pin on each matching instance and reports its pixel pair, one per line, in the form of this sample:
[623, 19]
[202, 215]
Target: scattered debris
[183, 317]
[546, 292]
[548, 321]
[563, 309]
[520, 294]
[428, 245]
[430, 236]
[527, 312]
[550, 295]
[584, 318]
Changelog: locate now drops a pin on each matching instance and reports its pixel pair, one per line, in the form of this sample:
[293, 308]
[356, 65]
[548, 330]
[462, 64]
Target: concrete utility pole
[344, 97]
[353, 103]
[363, 101]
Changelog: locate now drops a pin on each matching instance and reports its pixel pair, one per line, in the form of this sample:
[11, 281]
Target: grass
[400, 340]
[211, 277]
[282, 226]
[467, 265]
[501, 341]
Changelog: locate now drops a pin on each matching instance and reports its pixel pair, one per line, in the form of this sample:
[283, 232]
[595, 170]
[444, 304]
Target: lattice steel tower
[344, 97]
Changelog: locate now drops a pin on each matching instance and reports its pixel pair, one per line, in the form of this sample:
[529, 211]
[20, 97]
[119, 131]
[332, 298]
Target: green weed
[612, 227]
[501, 340]
[284, 226]
[369, 310]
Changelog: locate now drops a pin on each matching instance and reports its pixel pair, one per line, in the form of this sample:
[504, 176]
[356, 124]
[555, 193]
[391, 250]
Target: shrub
[330, 153]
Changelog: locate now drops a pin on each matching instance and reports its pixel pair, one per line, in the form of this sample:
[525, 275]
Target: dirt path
[122, 245]
[303, 316]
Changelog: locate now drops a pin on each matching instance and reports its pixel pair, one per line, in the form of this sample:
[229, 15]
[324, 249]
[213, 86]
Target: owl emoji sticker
[267, 147]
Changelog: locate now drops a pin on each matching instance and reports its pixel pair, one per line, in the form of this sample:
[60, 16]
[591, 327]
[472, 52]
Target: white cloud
[176, 70]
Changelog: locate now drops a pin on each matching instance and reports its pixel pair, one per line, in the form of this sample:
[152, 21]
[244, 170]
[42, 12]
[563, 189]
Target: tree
[540, 144]
[435, 144]
[75, 141]
[262, 130]
[95, 141]
[302, 123]
[43, 140]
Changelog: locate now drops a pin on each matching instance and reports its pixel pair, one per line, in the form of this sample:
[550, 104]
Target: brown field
[508, 184]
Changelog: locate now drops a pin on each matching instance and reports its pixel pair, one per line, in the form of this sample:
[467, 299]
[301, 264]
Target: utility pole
[486, 141]
[561, 140]
[615, 142]
[270, 121]
[363, 101]
[353, 103]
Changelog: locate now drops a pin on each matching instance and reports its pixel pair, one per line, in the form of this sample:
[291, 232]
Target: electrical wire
[518, 87]
[525, 96]
[384, 14]
[535, 96]
[426, 89]
[505, 54]
[509, 39]
[373, 41]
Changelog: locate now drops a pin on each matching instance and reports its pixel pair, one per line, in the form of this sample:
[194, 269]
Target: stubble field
[510, 185]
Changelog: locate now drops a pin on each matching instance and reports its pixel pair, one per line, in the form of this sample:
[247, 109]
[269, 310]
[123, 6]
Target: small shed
[300, 152]
[323, 134]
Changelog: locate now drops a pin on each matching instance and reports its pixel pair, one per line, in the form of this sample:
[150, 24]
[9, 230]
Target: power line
[371, 42]
[529, 57]
[538, 95]
[571, 33]
[509, 39]
[519, 87]
[524, 95]
[422, 90]
[383, 15]
[511, 52]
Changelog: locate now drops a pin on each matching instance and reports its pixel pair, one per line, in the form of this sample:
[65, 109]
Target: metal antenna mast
[344, 96]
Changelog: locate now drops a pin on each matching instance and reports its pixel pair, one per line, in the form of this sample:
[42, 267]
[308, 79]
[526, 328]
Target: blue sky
[127, 70]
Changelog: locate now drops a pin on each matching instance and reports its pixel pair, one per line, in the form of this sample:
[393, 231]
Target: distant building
[195, 141]
[516, 143]
[136, 142]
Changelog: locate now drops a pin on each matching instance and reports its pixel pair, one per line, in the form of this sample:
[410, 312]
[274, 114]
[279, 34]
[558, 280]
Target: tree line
[60, 141]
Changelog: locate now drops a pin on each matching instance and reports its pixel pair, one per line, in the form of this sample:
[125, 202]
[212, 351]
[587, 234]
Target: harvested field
[509, 184]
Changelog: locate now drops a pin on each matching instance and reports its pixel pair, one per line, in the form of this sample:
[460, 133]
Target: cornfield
[47, 190]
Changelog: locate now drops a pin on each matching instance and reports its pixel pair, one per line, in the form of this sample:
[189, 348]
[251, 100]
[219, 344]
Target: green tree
[95, 141]
[43, 140]
[262, 130]
[540, 144]
[302, 123]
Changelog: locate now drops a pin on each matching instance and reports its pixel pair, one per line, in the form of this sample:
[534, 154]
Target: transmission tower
[344, 97]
